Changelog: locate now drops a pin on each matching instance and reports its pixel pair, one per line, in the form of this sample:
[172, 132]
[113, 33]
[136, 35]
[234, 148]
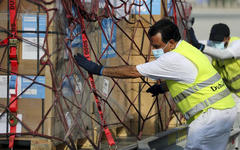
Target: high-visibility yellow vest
[207, 91]
[229, 69]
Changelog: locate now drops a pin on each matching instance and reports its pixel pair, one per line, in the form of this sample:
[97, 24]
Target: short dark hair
[219, 32]
[167, 28]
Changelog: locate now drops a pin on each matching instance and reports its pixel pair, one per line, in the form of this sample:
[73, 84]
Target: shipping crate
[31, 110]
[29, 144]
[71, 101]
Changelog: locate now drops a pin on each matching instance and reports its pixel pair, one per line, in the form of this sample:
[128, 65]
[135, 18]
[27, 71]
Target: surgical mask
[218, 45]
[158, 52]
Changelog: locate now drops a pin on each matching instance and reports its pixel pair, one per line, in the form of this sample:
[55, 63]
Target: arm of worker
[194, 40]
[217, 53]
[170, 66]
[127, 71]
[232, 51]
[116, 72]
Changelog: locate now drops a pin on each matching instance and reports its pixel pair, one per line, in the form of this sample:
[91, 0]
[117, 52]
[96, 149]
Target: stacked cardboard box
[30, 109]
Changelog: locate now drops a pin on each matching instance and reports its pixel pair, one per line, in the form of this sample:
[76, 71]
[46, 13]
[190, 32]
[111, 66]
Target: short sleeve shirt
[170, 66]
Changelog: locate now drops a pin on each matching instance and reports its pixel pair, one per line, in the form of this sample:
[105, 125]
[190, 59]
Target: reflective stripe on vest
[207, 91]
[234, 90]
[229, 70]
[196, 88]
[234, 79]
[206, 103]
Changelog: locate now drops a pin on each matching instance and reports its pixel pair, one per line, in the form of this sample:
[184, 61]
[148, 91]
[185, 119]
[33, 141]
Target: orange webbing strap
[108, 134]
[14, 69]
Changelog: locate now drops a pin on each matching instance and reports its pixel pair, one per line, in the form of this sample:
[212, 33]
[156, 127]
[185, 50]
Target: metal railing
[215, 3]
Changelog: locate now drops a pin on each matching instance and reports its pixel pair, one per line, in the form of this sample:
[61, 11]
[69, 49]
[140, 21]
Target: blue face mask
[158, 52]
[219, 45]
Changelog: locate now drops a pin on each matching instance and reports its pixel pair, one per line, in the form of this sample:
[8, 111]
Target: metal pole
[38, 62]
[8, 74]
[139, 107]
[43, 115]
[151, 10]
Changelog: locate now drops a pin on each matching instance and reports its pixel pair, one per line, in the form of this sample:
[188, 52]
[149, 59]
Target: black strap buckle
[12, 120]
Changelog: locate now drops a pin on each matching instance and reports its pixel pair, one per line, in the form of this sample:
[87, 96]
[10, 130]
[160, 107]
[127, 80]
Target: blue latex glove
[156, 89]
[89, 66]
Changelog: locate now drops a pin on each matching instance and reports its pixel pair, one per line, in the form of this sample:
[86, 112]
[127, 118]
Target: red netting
[78, 105]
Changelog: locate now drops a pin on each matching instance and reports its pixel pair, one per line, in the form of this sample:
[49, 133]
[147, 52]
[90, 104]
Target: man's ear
[172, 44]
[226, 39]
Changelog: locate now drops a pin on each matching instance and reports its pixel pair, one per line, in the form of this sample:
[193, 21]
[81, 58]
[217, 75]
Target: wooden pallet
[28, 144]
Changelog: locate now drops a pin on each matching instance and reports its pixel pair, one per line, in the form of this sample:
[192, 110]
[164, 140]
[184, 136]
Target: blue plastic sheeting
[156, 7]
[111, 33]
[76, 34]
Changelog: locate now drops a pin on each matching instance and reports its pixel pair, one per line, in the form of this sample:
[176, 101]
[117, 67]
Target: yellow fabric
[205, 71]
[233, 39]
[229, 69]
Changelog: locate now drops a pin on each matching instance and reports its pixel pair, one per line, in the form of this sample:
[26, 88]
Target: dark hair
[219, 32]
[167, 28]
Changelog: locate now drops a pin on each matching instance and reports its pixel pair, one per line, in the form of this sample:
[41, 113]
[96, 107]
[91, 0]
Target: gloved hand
[157, 89]
[89, 66]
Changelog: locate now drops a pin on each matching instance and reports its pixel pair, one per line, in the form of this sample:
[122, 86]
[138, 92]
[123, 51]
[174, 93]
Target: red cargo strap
[12, 41]
[13, 128]
[14, 66]
[12, 137]
[174, 11]
[108, 134]
[4, 42]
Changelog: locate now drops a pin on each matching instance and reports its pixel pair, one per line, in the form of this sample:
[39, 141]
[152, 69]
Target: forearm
[121, 72]
[194, 40]
[220, 54]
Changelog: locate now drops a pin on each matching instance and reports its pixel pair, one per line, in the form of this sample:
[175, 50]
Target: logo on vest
[217, 87]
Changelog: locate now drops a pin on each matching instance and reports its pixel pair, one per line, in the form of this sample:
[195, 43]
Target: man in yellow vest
[226, 54]
[196, 87]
